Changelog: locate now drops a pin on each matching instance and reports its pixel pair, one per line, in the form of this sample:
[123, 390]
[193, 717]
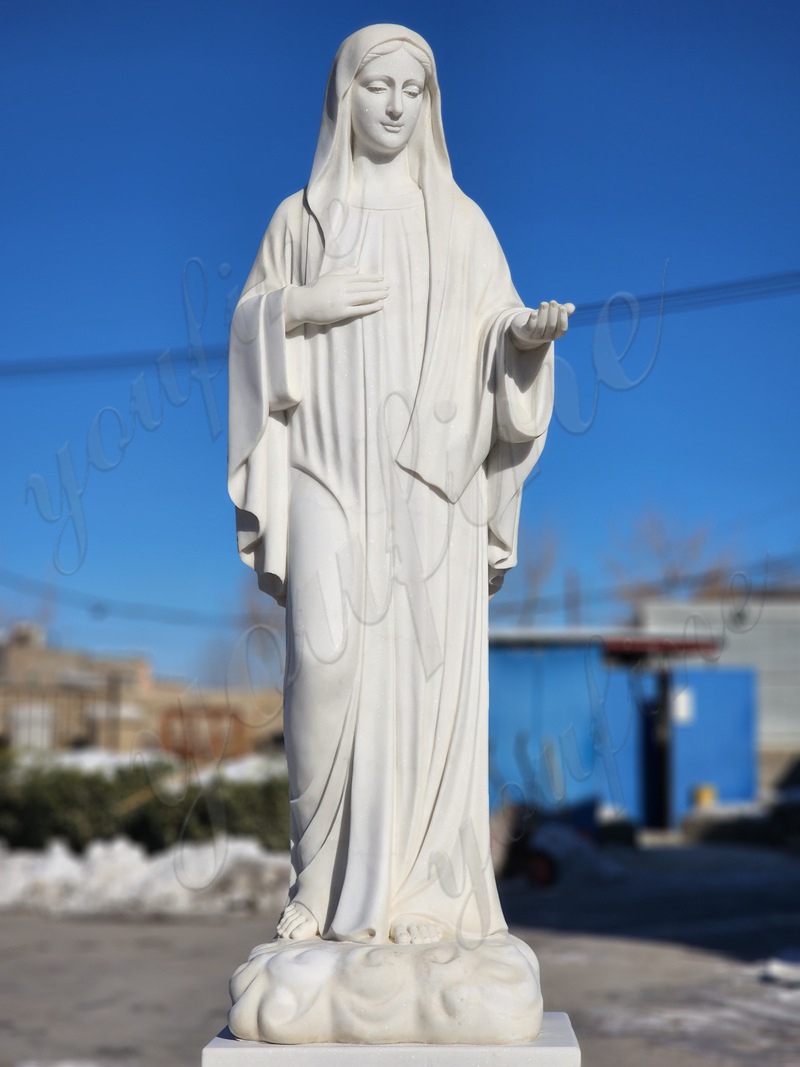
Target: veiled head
[387, 95]
[382, 45]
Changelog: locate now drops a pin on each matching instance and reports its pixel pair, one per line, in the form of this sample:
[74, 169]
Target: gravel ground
[661, 963]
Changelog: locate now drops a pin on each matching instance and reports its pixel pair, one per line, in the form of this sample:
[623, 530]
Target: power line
[604, 594]
[694, 298]
[108, 365]
[102, 607]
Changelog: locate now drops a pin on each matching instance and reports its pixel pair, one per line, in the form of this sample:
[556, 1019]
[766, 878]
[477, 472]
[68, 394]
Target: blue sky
[145, 147]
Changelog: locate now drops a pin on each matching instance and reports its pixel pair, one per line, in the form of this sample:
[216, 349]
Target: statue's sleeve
[523, 405]
[520, 388]
[265, 383]
[482, 406]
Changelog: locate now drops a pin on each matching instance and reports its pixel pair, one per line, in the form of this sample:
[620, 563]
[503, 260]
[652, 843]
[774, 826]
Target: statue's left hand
[530, 330]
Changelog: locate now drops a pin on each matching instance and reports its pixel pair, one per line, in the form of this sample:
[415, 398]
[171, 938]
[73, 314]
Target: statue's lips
[391, 127]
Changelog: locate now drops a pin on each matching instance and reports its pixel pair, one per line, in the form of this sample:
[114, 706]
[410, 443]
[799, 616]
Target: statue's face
[387, 98]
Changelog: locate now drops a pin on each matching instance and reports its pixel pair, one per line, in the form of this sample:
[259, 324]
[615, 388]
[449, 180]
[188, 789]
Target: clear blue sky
[601, 140]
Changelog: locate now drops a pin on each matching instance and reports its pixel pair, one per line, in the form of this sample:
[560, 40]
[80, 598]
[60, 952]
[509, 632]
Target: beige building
[53, 698]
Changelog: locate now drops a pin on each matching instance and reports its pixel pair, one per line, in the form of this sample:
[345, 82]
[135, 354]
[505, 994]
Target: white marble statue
[389, 394]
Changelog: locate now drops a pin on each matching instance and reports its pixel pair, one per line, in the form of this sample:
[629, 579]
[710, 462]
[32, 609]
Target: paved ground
[660, 966]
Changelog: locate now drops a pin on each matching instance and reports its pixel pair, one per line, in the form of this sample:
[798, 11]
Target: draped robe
[377, 466]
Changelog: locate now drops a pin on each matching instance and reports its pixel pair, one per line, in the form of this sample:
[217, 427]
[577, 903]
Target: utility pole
[572, 598]
[114, 704]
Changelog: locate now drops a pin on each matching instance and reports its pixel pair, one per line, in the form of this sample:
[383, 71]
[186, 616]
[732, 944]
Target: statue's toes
[286, 929]
[289, 921]
[310, 928]
[402, 934]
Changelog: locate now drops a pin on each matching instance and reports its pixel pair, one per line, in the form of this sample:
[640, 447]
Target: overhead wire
[101, 607]
[692, 298]
[675, 301]
[666, 302]
[771, 566]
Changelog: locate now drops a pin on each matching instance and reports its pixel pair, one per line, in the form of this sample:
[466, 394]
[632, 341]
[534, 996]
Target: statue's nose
[394, 105]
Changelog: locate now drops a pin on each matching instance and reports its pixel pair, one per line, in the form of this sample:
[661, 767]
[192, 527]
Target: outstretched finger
[361, 287]
[358, 311]
[366, 296]
[563, 318]
[358, 285]
[367, 279]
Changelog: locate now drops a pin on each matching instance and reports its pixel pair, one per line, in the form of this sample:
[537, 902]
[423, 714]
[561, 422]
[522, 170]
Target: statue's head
[387, 96]
[382, 97]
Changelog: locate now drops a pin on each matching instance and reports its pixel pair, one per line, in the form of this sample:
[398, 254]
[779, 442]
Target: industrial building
[757, 630]
[635, 723]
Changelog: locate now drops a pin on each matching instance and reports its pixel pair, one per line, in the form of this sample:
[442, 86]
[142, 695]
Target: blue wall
[718, 744]
[565, 729]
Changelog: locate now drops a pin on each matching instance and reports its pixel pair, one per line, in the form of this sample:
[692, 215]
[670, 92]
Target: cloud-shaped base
[293, 992]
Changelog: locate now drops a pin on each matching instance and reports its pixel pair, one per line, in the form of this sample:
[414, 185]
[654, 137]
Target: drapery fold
[481, 404]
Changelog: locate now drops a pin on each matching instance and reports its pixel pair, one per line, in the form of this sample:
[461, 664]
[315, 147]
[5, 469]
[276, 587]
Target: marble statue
[389, 394]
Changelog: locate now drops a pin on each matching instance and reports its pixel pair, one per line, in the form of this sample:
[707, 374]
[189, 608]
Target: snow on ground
[731, 1011]
[783, 970]
[68, 1063]
[577, 856]
[119, 878]
[89, 760]
[250, 768]
[732, 1017]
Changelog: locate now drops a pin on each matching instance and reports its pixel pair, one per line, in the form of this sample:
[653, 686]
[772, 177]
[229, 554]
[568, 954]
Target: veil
[327, 189]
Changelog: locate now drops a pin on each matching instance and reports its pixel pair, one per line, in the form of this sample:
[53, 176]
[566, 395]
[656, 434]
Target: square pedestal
[556, 1046]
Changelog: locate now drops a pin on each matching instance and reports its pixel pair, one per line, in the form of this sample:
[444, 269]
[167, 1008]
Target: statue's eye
[413, 91]
[376, 88]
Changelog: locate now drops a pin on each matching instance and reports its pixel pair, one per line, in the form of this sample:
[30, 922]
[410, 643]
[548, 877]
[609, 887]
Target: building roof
[618, 642]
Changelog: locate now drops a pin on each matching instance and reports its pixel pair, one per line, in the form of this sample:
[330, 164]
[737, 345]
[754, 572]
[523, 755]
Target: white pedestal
[556, 1046]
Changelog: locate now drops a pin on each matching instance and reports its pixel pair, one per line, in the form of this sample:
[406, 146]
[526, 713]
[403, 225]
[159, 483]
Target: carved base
[297, 992]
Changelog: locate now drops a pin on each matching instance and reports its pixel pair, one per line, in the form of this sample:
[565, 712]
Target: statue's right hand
[334, 297]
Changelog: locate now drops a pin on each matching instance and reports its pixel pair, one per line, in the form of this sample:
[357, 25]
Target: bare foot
[411, 931]
[297, 923]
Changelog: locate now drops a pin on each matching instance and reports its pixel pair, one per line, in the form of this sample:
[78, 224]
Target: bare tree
[250, 655]
[538, 553]
[657, 557]
[258, 609]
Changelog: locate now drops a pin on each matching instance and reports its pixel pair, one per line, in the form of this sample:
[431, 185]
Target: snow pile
[576, 854]
[783, 969]
[90, 760]
[118, 877]
[251, 769]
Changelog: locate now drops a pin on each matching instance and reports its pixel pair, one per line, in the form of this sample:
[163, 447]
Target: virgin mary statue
[389, 394]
